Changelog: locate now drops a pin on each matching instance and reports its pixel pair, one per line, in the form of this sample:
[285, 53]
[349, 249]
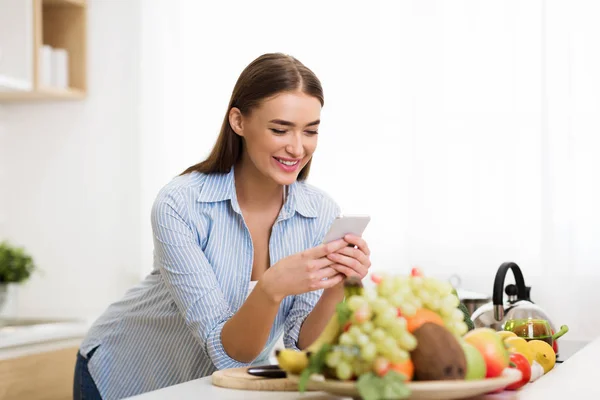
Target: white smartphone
[347, 224]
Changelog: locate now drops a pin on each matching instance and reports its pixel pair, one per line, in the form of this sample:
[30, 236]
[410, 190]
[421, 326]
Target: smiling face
[280, 135]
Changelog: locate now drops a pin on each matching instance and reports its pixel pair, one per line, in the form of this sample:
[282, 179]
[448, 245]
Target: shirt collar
[221, 187]
[298, 200]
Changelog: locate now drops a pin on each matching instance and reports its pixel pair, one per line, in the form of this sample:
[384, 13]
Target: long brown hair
[264, 77]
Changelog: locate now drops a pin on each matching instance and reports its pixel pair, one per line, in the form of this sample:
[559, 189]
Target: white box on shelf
[45, 66]
[60, 68]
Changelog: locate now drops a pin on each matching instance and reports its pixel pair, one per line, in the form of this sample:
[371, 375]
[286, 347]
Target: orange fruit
[422, 316]
[407, 368]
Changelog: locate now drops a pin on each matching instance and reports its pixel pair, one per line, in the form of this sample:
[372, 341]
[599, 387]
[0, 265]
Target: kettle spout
[498, 312]
[563, 329]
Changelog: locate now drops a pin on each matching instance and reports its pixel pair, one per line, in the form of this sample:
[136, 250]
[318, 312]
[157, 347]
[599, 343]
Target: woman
[238, 257]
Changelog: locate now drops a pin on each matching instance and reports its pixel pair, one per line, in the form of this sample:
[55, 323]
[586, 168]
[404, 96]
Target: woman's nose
[295, 146]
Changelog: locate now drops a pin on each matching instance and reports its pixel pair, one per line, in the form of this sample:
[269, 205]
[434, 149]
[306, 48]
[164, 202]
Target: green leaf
[343, 313]
[466, 316]
[316, 365]
[391, 386]
[368, 387]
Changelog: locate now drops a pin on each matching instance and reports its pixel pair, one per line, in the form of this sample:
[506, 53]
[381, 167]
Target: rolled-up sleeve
[303, 305]
[189, 277]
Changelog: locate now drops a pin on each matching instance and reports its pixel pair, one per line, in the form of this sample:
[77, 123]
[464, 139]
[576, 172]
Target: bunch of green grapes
[410, 292]
[374, 339]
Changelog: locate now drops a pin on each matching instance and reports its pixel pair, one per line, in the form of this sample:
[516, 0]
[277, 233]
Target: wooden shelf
[81, 3]
[53, 372]
[61, 24]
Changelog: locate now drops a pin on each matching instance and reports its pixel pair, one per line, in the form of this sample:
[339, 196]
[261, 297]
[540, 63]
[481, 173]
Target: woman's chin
[285, 179]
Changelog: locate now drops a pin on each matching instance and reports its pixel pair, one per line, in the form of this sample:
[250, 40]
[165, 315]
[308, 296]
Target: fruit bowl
[422, 390]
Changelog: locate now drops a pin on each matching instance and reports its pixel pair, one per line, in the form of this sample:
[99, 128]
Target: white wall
[435, 108]
[571, 229]
[443, 120]
[71, 177]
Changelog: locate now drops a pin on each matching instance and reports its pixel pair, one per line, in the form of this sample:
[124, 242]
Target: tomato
[416, 271]
[376, 278]
[520, 362]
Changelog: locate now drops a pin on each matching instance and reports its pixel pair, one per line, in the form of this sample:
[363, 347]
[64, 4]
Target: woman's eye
[312, 132]
[278, 131]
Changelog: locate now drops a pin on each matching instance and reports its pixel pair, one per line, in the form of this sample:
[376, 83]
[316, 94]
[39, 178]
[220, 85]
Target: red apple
[492, 349]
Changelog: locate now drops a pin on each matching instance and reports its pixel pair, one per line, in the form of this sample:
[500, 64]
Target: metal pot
[472, 300]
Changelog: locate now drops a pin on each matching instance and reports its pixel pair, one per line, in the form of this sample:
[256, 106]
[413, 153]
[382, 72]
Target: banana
[328, 336]
[292, 361]
[332, 330]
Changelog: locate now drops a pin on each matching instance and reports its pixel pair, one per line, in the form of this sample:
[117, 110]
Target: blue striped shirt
[167, 329]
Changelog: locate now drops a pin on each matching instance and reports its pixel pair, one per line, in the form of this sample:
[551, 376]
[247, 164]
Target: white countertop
[575, 378]
[26, 339]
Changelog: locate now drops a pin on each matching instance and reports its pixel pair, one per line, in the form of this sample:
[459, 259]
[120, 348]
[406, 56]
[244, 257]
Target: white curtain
[468, 130]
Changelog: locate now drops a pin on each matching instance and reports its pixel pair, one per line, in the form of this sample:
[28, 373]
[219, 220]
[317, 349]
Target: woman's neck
[254, 190]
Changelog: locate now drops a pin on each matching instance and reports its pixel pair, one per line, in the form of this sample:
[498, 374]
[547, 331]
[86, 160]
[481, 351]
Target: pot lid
[468, 295]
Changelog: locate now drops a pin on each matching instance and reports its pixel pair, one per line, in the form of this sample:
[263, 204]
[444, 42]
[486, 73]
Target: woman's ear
[236, 121]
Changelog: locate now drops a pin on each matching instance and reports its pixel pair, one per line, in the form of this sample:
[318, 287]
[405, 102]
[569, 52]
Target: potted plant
[16, 266]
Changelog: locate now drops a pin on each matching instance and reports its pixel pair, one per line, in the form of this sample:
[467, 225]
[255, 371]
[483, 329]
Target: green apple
[491, 347]
[476, 368]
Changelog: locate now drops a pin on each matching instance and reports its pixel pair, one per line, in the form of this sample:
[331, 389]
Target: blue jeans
[84, 387]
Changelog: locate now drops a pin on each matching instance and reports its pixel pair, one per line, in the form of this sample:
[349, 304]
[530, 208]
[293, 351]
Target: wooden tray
[238, 378]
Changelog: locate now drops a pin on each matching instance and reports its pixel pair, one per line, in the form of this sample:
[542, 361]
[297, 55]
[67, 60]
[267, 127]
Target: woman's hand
[351, 260]
[303, 272]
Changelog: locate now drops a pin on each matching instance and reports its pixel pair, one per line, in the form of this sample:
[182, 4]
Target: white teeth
[290, 163]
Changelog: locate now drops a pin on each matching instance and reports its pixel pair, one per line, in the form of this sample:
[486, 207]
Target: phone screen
[349, 224]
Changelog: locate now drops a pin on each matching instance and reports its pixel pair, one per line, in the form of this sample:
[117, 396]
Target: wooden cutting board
[238, 378]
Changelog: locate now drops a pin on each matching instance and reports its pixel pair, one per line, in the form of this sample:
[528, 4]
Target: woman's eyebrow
[288, 123]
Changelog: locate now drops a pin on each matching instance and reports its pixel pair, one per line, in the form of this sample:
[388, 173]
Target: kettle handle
[497, 299]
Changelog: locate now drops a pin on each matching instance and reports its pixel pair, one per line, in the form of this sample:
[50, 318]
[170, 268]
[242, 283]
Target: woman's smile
[287, 164]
